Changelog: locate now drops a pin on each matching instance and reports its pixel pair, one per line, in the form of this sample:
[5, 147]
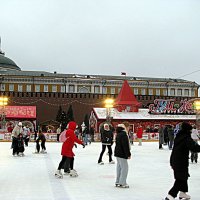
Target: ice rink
[32, 177]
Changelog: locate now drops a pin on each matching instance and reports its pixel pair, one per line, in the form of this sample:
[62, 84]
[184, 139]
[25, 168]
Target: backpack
[62, 137]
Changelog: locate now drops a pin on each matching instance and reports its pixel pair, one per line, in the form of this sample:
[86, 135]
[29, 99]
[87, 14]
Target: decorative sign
[19, 111]
[168, 106]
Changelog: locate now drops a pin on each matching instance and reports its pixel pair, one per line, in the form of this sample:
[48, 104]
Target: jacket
[122, 149]
[71, 139]
[179, 159]
[107, 137]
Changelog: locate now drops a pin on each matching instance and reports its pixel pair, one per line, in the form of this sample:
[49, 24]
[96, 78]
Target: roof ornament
[1, 52]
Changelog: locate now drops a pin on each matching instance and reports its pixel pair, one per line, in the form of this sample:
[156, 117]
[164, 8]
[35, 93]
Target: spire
[1, 52]
[126, 98]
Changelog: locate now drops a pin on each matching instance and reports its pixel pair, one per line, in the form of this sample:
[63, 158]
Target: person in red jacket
[139, 134]
[66, 152]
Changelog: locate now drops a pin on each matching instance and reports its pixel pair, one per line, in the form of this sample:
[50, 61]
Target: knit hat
[121, 125]
[19, 124]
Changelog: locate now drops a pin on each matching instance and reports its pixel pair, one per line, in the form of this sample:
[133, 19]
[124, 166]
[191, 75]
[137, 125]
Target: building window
[96, 89]
[37, 88]
[104, 90]
[62, 88]
[71, 88]
[54, 88]
[150, 91]
[143, 91]
[179, 92]
[112, 90]
[11, 87]
[3, 87]
[164, 92]
[172, 92]
[20, 88]
[84, 90]
[157, 91]
[136, 91]
[186, 92]
[46, 88]
[192, 93]
[28, 88]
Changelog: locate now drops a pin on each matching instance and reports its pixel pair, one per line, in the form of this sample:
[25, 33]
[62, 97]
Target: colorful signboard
[168, 106]
[19, 111]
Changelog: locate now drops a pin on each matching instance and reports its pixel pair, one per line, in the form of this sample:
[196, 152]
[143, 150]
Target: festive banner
[19, 111]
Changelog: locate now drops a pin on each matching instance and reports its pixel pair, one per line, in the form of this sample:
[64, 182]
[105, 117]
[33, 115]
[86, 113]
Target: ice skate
[123, 186]
[101, 163]
[169, 197]
[73, 173]
[112, 162]
[67, 173]
[58, 174]
[184, 196]
[43, 151]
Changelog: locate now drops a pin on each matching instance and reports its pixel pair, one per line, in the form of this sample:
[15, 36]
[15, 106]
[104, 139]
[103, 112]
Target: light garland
[56, 104]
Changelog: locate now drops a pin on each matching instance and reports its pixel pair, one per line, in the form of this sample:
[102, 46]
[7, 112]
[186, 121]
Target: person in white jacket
[195, 137]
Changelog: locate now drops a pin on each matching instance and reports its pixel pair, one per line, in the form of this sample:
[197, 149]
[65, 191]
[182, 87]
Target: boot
[58, 174]
[73, 173]
[169, 197]
[183, 195]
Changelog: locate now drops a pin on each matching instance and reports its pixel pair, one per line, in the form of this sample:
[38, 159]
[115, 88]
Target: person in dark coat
[161, 136]
[179, 161]
[170, 131]
[107, 141]
[122, 153]
[41, 137]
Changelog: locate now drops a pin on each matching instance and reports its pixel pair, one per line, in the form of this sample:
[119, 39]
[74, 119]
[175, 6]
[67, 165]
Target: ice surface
[32, 177]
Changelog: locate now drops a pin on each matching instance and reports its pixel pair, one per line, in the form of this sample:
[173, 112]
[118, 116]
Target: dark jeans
[26, 140]
[58, 135]
[15, 145]
[103, 150]
[179, 185]
[38, 145]
[66, 163]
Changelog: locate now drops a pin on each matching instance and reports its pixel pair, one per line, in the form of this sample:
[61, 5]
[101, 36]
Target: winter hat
[186, 126]
[121, 125]
[19, 124]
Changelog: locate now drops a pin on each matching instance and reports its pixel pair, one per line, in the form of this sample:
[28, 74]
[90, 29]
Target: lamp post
[3, 103]
[108, 104]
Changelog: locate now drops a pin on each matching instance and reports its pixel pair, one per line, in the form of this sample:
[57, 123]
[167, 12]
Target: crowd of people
[181, 139]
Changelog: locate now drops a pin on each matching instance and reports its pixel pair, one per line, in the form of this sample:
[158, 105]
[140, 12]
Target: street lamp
[108, 104]
[3, 103]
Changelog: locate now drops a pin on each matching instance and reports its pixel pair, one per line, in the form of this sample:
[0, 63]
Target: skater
[58, 131]
[195, 137]
[20, 149]
[107, 141]
[139, 134]
[15, 133]
[67, 153]
[170, 131]
[26, 134]
[183, 143]
[41, 137]
[161, 136]
[122, 153]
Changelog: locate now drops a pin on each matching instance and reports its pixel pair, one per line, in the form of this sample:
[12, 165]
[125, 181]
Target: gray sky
[152, 38]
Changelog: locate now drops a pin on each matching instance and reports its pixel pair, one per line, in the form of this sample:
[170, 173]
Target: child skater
[66, 152]
[20, 150]
[41, 137]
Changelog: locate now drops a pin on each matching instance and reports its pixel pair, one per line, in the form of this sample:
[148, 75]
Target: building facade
[48, 90]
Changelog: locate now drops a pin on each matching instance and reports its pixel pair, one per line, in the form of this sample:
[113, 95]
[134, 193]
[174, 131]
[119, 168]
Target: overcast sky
[151, 38]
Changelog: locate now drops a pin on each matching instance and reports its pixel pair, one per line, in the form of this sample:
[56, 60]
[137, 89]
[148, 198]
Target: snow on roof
[141, 114]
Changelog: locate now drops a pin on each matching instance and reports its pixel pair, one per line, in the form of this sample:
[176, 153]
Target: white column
[92, 89]
[190, 92]
[76, 88]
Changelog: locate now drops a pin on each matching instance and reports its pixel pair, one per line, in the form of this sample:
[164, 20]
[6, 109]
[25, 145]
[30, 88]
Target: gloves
[83, 145]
